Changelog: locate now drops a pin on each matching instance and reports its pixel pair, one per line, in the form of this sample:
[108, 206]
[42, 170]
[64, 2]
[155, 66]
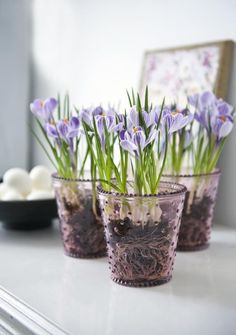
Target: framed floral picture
[177, 72]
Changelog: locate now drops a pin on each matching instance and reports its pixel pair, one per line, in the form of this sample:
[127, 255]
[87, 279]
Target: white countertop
[79, 296]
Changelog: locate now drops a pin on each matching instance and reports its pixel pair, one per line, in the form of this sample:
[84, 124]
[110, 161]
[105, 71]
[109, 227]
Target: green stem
[163, 162]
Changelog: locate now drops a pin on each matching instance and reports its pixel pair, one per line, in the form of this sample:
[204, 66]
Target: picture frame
[175, 73]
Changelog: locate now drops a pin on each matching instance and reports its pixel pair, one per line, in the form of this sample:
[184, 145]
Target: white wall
[94, 49]
[14, 82]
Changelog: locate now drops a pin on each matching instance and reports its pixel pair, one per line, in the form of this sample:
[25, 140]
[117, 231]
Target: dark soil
[195, 226]
[141, 256]
[82, 231]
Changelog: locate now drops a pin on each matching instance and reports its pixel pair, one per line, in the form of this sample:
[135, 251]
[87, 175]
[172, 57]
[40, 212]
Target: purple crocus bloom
[126, 142]
[65, 129]
[86, 116]
[202, 101]
[43, 109]
[51, 129]
[222, 123]
[156, 111]
[69, 129]
[110, 122]
[224, 109]
[100, 113]
[188, 139]
[176, 120]
[206, 99]
[134, 118]
[193, 100]
[213, 114]
[149, 117]
[121, 117]
[203, 118]
[205, 105]
[222, 126]
[135, 141]
[108, 119]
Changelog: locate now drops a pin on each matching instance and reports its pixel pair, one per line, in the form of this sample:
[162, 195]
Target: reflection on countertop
[78, 295]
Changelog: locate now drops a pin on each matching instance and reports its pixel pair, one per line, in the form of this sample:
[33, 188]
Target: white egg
[3, 189]
[19, 180]
[39, 195]
[41, 178]
[12, 195]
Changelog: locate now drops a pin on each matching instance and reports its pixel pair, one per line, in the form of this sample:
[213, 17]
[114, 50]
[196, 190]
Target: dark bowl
[27, 214]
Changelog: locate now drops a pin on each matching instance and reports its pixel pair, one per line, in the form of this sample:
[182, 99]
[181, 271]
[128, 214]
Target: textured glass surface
[141, 234]
[195, 229]
[80, 219]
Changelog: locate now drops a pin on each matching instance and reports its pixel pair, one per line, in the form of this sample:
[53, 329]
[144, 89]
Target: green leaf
[138, 104]
[141, 119]
[77, 110]
[216, 156]
[109, 183]
[162, 107]
[84, 161]
[133, 97]
[58, 106]
[42, 146]
[46, 137]
[146, 106]
[164, 160]
[130, 102]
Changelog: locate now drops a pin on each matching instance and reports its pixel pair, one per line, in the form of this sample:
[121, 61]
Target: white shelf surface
[79, 297]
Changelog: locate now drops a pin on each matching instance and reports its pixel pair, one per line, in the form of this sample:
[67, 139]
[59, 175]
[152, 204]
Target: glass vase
[141, 234]
[81, 226]
[197, 218]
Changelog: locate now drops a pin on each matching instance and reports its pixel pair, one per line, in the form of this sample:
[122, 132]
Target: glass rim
[55, 176]
[215, 172]
[180, 190]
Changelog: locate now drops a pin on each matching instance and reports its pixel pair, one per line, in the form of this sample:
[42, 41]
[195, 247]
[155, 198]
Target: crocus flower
[43, 109]
[224, 109]
[133, 118]
[222, 127]
[201, 101]
[147, 117]
[69, 129]
[205, 107]
[51, 129]
[215, 115]
[135, 140]
[156, 111]
[65, 130]
[176, 119]
[188, 139]
[222, 120]
[86, 116]
[126, 142]
[107, 119]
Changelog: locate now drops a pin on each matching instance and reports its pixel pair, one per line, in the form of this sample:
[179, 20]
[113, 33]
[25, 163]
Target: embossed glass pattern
[195, 228]
[141, 234]
[80, 219]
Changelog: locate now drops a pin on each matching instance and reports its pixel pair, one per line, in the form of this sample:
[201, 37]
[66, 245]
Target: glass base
[146, 283]
[91, 256]
[142, 233]
[198, 212]
[193, 247]
[81, 226]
